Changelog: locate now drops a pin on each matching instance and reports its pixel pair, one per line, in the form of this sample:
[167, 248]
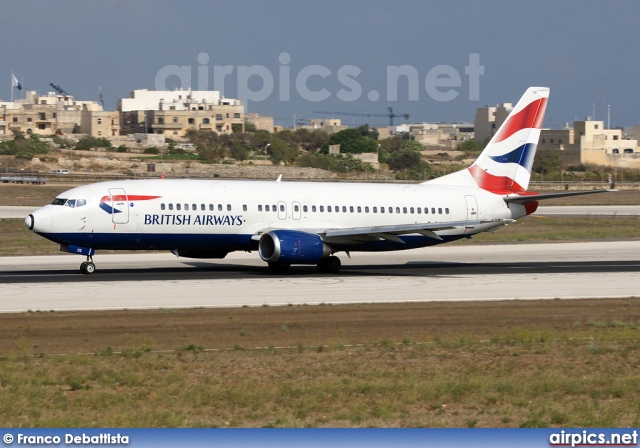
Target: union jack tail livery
[504, 167]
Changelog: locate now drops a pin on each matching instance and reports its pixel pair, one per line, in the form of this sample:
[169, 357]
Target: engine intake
[293, 247]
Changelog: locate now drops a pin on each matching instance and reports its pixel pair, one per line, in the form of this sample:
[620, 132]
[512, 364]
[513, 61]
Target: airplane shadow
[199, 270]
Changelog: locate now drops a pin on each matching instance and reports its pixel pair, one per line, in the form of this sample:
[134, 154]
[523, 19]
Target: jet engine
[292, 247]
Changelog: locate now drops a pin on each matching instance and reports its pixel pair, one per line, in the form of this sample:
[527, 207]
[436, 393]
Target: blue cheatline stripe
[522, 155]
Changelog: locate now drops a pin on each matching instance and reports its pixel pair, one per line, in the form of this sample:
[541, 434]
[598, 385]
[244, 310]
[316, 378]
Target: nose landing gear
[88, 267]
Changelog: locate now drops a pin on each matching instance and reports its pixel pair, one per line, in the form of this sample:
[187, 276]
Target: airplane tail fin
[504, 166]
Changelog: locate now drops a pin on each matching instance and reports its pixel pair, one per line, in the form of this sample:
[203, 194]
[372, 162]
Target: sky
[289, 58]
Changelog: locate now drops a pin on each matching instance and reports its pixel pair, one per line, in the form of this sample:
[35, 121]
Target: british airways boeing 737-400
[299, 222]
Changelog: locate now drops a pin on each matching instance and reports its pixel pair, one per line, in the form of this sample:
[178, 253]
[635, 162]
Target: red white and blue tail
[505, 164]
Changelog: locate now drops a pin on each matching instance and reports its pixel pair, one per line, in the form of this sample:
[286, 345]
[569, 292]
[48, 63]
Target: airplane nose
[39, 221]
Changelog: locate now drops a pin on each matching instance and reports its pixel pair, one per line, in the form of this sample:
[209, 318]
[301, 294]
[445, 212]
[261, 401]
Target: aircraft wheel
[275, 266]
[330, 265]
[87, 268]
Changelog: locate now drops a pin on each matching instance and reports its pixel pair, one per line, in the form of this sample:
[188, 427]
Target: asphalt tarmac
[443, 273]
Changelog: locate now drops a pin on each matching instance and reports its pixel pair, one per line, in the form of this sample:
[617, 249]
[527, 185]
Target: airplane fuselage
[222, 216]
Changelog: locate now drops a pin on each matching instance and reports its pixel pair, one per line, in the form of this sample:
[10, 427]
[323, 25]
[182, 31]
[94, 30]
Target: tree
[279, 151]
[547, 161]
[24, 148]
[88, 142]
[407, 159]
[351, 141]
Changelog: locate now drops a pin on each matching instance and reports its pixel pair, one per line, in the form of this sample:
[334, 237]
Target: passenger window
[281, 208]
[228, 207]
[433, 210]
[322, 208]
[211, 207]
[161, 206]
[419, 210]
[313, 208]
[375, 209]
[366, 209]
[177, 206]
[390, 209]
[337, 208]
[219, 207]
[81, 202]
[411, 210]
[202, 207]
[259, 208]
[359, 209]
[351, 208]
[440, 211]
[329, 208]
[404, 210]
[426, 210]
[244, 208]
[71, 203]
[296, 208]
[194, 207]
[170, 206]
[381, 209]
[446, 210]
[344, 209]
[305, 208]
[186, 207]
[266, 207]
[397, 209]
[273, 207]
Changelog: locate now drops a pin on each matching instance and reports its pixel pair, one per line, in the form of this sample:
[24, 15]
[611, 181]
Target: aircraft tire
[330, 265]
[87, 268]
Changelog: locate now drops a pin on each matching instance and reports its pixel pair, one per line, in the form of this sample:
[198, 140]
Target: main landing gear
[88, 267]
[330, 265]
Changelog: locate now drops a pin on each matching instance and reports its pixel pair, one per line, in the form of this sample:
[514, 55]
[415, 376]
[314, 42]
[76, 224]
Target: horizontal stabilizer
[539, 197]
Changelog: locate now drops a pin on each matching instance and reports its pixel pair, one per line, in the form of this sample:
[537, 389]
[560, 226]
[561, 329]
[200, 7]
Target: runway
[444, 273]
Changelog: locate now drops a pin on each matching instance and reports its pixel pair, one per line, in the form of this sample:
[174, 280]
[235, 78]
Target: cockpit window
[71, 203]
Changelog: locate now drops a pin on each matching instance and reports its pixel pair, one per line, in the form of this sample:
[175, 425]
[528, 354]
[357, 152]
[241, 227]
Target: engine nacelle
[293, 247]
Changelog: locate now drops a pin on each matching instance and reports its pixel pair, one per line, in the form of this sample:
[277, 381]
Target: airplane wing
[527, 198]
[391, 233]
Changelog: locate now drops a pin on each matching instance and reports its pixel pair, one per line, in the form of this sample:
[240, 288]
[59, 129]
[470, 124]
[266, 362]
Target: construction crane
[58, 89]
[391, 115]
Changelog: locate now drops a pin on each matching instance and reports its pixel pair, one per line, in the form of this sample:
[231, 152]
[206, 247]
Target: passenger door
[282, 210]
[119, 206]
[472, 209]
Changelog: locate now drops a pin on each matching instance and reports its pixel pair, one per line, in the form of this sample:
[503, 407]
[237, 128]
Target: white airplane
[302, 222]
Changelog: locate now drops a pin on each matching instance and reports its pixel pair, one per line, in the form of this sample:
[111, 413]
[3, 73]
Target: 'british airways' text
[189, 220]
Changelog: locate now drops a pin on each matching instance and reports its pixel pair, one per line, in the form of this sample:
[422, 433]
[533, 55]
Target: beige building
[174, 112]
[262, 123]
[589, 143]
[489, 119]
[56, 114]
[436, 134]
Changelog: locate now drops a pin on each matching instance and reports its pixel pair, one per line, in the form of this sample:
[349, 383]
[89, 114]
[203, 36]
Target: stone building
[174, 112]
